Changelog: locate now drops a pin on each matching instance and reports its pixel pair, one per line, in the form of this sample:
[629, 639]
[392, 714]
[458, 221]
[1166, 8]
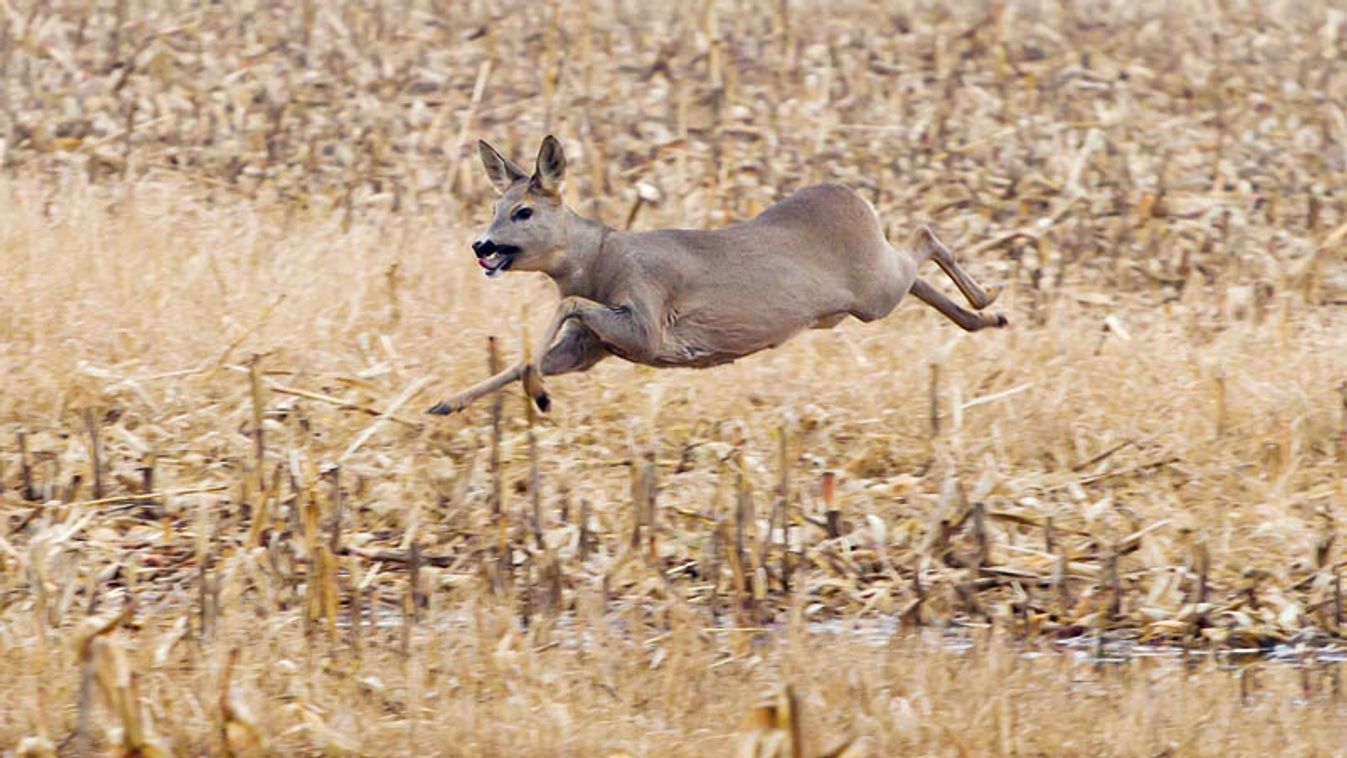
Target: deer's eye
[521, 214]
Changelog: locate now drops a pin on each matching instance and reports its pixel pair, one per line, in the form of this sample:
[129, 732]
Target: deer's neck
[575, 272]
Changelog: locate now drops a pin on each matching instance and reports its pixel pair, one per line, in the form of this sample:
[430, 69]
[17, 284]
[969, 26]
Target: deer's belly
[693, 345]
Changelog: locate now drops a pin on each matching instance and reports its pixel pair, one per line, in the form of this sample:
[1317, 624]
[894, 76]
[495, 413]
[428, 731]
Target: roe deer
[680, 297]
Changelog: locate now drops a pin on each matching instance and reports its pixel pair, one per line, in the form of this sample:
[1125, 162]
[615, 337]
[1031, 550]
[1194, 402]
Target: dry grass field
[234, 272]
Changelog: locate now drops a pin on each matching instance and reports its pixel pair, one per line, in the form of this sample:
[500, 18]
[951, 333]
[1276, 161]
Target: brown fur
[693, 298]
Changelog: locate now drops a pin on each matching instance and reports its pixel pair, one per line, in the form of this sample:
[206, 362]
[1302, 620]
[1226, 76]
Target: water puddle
[570, 632]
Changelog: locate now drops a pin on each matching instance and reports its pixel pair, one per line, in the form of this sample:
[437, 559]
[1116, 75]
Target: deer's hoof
[543, 402]
[1001, 321]
[444, 409]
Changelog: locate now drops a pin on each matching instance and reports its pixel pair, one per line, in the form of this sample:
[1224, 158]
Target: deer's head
[528, 228]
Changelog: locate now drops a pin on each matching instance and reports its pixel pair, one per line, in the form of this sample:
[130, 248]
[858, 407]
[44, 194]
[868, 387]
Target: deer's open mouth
[498, 260]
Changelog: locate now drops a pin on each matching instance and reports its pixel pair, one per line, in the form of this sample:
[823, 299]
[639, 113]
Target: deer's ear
[502, 171]
[551, 167]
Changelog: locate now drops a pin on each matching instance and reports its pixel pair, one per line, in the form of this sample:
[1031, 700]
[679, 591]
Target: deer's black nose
[483, 248]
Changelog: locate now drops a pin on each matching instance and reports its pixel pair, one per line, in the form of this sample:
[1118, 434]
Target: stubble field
[235, 270]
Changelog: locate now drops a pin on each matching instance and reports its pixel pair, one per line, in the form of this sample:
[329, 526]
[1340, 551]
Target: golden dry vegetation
[233, 251]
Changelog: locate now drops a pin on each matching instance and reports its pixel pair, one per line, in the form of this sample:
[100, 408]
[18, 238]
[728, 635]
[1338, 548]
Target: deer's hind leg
[925, 245]
[968, 320]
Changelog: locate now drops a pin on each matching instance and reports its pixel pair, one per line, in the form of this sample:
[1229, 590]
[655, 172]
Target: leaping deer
[682, 297]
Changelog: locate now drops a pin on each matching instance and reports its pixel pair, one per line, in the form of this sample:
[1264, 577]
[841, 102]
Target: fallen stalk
[343, 404]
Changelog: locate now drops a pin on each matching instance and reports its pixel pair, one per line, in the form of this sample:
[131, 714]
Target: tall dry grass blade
[737, 572]
[1337, 601]
[933, 400]
[980, 535]
[207, 611]
[414, 588]
[1219, 392]
[96, 462]
[647, 487]
[784, 488]
[239, 734]
[711, 557]
[30, 492]
[1114, 586]
[338, 500]
[584, 538]
[86, 637]
[1342, 424]
[356, 620]
[462, 176]
[832, 514]
[531, 436]
[497, 404]
[258, 430]
[638, 512]
[553, 585]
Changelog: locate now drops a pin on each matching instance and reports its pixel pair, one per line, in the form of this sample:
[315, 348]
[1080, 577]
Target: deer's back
[829, 214]
[821, 227]
[732, 291]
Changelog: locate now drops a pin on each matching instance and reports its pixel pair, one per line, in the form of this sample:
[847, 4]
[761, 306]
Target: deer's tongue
[495, 263]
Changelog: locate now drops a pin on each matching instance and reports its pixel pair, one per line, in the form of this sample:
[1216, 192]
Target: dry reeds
[233, 248]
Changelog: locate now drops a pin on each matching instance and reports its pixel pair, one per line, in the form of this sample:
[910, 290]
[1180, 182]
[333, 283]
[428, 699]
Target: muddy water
[569, 631]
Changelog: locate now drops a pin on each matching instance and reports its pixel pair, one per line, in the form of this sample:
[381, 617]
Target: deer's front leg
[463, 399]
[565, 311]
[576, 350]
[533, 374]
[627, 330]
